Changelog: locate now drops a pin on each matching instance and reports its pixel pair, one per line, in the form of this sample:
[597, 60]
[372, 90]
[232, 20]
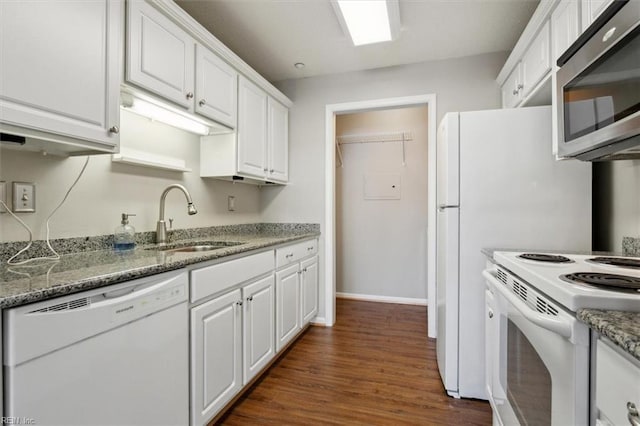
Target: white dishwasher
[111, 356]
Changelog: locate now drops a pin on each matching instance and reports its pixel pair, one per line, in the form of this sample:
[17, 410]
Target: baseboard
[319, 321]
[382, 299]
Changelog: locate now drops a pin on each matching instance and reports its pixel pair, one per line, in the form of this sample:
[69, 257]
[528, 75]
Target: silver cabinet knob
[114, 129]
[490, 314]
[202, 102]
[632, 415]
[190, 95]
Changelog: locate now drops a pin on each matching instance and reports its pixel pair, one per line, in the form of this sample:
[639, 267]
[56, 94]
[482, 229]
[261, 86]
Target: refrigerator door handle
[441, 207]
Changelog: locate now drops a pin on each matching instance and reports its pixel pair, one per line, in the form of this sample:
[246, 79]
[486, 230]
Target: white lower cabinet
[216, 355]
[309, 289]
[259, 326]
[287, 305]
[242, 314]
[617, 386]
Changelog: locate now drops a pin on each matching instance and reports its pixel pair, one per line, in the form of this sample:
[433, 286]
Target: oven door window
[528, 380]
[605, 92]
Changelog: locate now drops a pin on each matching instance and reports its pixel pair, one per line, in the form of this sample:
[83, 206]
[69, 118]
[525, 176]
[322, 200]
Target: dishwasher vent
[65, 306]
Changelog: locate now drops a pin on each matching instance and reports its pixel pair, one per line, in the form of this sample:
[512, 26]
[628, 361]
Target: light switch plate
[24, 197]
[3, 195]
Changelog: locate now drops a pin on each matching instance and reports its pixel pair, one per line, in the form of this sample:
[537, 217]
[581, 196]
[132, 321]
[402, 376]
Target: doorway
[375, 183]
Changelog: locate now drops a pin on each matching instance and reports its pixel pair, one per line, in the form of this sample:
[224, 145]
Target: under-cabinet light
[164, 115]
[369, 21]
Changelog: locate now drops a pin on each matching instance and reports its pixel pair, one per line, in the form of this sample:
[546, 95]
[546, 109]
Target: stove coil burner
[612, 281]
[548, 258]
[617, 261]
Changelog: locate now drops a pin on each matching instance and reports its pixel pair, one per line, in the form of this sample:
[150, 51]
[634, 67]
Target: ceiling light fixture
[368, 21]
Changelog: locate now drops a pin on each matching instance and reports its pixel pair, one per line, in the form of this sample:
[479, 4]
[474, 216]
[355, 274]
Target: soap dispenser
[124, 237]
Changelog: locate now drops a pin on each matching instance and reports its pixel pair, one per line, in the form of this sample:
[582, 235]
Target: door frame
[331, 111]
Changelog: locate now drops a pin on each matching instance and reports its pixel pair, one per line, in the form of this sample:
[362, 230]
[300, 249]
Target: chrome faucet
[161, 229]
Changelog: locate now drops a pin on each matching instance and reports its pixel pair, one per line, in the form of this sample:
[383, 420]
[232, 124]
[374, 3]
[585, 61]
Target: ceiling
[272, 35]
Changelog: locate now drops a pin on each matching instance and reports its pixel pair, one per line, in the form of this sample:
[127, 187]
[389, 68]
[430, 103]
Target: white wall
[381, 244]
[616, 203]
[108, 189]
[461, 84]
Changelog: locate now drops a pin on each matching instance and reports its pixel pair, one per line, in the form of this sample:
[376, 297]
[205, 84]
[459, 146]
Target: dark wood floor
[375, 366]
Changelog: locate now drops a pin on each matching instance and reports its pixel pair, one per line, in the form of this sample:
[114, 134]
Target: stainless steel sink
[199, 246]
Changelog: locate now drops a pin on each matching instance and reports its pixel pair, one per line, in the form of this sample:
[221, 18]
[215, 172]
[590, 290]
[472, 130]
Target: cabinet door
[309, 289]
[216, 357]
[536, 62]
[287, 305]
[259, 326]
[252, 129]
[216, 88]
[512, 89]
[278, 141]
[565, 27]
[160, 55]
[59, 68]
[591, 9]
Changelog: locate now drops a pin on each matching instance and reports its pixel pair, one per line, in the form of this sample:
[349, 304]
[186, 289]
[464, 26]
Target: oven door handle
[557, 326]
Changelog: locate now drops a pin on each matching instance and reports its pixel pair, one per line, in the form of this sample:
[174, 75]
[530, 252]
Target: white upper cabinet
[278, 141]
[252, 129]
[216, 88]
[60, 72]
[591, 9]
[565, 27]
[512, 88]
[536, 62]
[160, 55]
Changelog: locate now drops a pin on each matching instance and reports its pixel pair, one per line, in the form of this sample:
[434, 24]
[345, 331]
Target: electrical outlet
[231, 203]
[24, 197]
[3, 195]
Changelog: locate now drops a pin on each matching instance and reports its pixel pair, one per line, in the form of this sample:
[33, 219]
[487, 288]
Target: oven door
[598, 90]
[540, 371]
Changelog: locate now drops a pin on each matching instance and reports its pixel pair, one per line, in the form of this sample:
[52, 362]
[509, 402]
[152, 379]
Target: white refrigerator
[498, 186]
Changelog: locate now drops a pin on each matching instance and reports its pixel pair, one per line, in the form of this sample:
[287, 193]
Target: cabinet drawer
[617, 381]
[216, 278]
[295, 252]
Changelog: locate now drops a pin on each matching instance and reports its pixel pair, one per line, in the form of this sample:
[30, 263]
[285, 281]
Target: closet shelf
[147, 159]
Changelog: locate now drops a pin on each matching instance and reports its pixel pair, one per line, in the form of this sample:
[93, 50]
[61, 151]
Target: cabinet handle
[265, 170]
[250, 299]
[288, 255]
[515, 92]
[270, 170]
[309, 248]
[490, 313]
[304, 270]
[239, 302]
[114, 129]
[190, 95]
[202, 102]
[632, 415]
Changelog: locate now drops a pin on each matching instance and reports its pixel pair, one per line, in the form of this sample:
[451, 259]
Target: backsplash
[104, 242]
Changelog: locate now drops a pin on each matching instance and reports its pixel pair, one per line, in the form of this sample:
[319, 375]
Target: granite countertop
[77, 271]
[622, 328]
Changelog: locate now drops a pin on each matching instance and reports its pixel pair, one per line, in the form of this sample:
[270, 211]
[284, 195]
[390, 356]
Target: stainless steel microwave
[598, 88]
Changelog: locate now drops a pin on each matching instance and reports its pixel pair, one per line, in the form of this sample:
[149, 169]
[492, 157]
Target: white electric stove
[579, 281]
[537, 352]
